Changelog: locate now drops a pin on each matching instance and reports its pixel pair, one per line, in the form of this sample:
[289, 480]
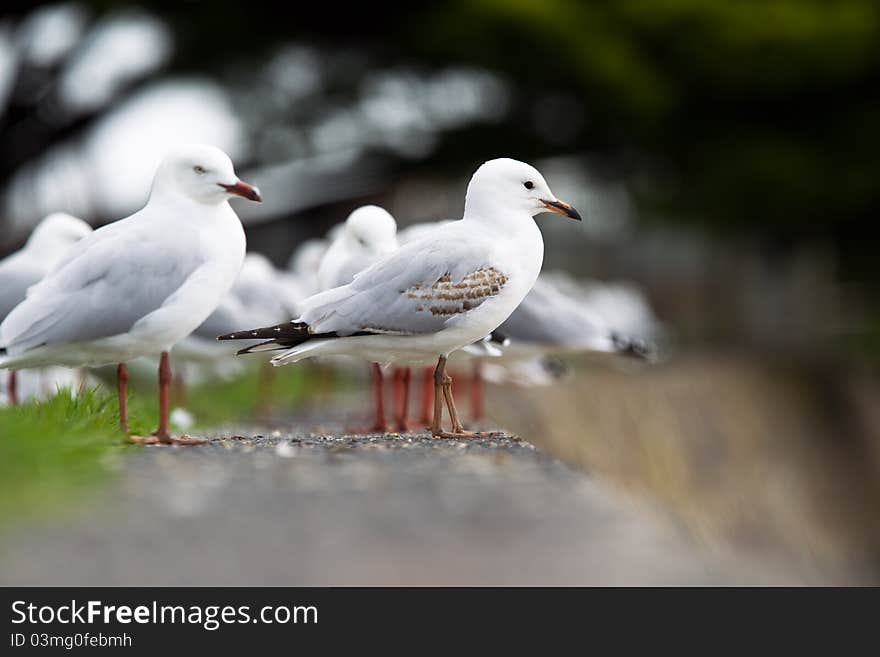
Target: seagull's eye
[199, 170]
[528, 184]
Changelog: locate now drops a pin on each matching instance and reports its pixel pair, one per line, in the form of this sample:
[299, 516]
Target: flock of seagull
[175, 275]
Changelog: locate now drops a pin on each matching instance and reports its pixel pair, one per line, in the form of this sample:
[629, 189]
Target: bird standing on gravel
[137, 286]
[437, 294]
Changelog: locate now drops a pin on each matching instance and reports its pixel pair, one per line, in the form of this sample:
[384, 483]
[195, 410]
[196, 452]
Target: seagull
[487, 347]
[138, 286]
[368, 234]
[562, 317]
[19, 271]
[436, 294]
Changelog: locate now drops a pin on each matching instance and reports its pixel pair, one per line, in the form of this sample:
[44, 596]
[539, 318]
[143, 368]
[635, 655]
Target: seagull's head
[57, 232]
[202, 173]
[371, 229]
[505, 185]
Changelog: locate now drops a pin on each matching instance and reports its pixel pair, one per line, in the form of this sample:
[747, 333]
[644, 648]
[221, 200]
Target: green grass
[52, 448]
[53, 451]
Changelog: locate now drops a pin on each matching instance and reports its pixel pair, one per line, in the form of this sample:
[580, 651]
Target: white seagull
[138, 286]
[368, 234]
[436, 294]
[46, 245]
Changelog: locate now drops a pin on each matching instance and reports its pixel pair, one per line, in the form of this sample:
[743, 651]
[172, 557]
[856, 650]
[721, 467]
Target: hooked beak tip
[243, 189]
[563, 208]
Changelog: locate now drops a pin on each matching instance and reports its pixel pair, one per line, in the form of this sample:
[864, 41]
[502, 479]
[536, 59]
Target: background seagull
[137, 286]
[47, 244]
[436, 294]
[368, 234]
[561, 317]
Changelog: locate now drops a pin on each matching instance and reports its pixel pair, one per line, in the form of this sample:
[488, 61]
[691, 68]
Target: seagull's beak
[561, 207]
[240, 188]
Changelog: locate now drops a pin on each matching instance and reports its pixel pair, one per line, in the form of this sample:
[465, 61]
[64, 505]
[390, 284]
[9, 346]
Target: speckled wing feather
[421, 288]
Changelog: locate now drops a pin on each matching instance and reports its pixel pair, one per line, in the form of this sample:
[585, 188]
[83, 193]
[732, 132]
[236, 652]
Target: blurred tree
[750, 117]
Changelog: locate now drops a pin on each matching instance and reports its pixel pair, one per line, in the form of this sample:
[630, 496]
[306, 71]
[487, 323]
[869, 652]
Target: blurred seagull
[258, 292]
[436, 294]
[562, 317]
[368, 234]
[19, 271]
[138, 286]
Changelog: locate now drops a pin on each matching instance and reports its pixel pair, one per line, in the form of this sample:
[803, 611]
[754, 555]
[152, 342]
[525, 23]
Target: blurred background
[724, 156]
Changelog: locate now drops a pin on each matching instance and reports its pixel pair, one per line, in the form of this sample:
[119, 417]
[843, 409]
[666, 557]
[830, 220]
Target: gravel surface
[272, 508]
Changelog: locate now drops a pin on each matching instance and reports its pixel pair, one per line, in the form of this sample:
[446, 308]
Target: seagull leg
[443, 384]
[439, 373]
[12, 388]
[401, 385]
[380, 425]
[164, 383]
[427, 392]
[122, 388]
[161, 435]
[457, 426]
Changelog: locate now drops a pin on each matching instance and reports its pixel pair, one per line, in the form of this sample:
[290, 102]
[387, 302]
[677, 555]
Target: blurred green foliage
[753, 116]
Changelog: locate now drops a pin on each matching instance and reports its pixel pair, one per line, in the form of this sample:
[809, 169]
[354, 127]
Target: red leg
[395, 393]
[164, 383]
[476, 390]
[12, 388]
[378, 381]
[438, 377]
[401, 384]
[122, 387]
[427, 400]
[161, 434]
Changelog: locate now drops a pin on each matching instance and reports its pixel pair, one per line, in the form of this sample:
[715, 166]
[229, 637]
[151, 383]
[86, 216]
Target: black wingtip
[499, 338]
[286, 331]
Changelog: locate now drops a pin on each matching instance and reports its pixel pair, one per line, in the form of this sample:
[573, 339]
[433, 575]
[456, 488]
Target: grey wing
[417, 289]
[97, 294]
[17, 274]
